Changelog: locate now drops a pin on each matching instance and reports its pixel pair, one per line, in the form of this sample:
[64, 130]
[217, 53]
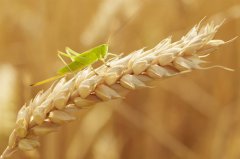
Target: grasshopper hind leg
[60, 57]
[66, 55]
[71, 52]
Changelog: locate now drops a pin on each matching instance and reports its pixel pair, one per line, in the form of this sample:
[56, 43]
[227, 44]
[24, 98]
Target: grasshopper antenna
[114, 31]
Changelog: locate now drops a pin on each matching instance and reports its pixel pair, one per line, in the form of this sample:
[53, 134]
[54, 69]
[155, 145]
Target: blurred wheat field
[196, 113]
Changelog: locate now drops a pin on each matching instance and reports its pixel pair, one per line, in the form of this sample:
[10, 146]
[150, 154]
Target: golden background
[192, 116]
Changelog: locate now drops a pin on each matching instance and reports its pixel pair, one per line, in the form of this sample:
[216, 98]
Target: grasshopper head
[104, 50]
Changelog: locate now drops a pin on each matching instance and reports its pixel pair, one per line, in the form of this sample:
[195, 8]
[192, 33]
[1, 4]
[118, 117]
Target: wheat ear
[56, 106]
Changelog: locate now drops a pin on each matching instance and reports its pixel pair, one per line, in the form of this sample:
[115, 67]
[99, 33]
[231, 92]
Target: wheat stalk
[58, 105]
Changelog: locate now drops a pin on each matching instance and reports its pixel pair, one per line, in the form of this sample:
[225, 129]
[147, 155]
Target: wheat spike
[50, 109]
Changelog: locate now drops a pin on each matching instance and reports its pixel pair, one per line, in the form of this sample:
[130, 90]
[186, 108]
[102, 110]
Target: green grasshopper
[82, 60]
[79, 61]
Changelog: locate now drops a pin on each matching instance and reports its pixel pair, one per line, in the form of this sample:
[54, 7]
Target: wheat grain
[56, 106]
